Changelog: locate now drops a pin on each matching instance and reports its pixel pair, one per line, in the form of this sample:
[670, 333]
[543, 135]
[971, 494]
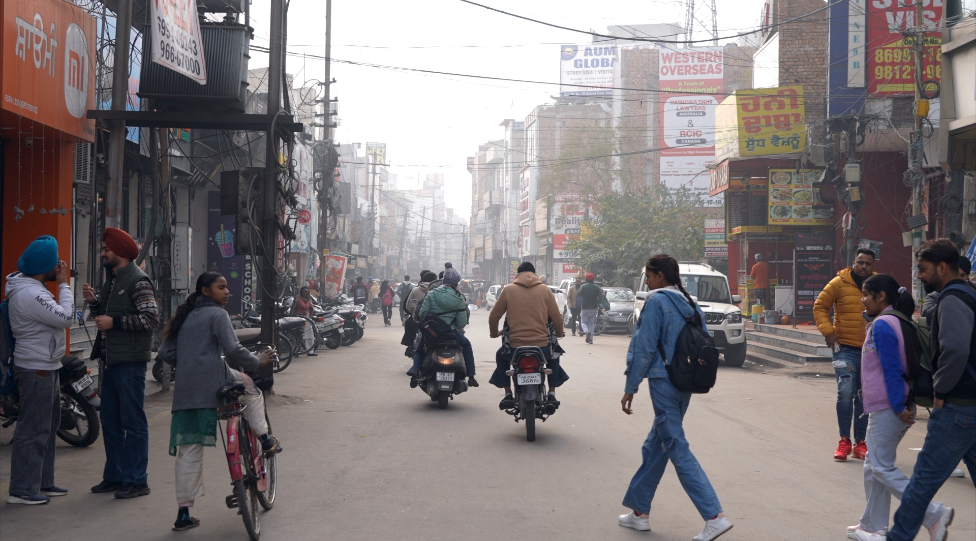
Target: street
[366, 457]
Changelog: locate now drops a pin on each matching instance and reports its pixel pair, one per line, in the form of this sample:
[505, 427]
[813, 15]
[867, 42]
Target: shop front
[47, 86]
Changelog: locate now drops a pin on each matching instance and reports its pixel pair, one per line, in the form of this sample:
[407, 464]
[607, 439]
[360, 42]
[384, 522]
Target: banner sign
[793, 200]
[222, 258]
[891, 56]
[693, 77]
[715, 244]
[377, 151]
[767, 121]
[176, 42]
[335, 274]
[813, 270]
[586, 70]
[48, 67]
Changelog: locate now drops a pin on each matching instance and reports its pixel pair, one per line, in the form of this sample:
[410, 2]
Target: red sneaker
[843, 450]
[860, 450]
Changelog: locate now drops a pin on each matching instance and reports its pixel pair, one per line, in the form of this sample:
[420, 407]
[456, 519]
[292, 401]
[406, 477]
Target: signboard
[692, 76]
[793, 200]
[566, 218]
[891, 56]
[812, 271]
[715, 243]
[176, 42]
[873, 245]
[221, 256]
[586, 70]
[105, 40]
[181, 257]
[335, 274]
[377, 151]
[746, 208]
[767, 121]
[48, 64]
[856, 43]
[718, 179]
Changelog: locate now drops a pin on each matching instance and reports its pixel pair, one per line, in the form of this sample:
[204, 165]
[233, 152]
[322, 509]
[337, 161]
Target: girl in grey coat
[193, 341]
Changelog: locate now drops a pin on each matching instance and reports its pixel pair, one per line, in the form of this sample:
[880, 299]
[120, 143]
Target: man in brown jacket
[574, 308]
[528, 306]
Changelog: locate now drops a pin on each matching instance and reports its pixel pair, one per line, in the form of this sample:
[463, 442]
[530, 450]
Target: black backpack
[694, 365]
[435, 330]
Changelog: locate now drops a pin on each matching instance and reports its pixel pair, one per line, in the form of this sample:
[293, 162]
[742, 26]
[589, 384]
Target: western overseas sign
[690, 78]
[891, 55]
[761, 122]
[586, 70]
[176, 41]
[49, 64]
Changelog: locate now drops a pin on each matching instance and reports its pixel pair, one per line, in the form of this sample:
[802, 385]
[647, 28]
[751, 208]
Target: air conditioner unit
[84, 167]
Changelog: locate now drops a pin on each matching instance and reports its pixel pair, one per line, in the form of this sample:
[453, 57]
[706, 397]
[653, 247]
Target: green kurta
[193, 426]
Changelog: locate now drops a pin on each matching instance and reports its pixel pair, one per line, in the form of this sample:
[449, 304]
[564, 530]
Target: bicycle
[253, 473]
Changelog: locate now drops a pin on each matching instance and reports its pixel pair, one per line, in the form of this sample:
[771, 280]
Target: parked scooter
[354, 318]
[79, 404]
[329, 326]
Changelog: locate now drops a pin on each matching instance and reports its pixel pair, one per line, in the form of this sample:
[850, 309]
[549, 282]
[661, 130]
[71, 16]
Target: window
[707, 288]
[620, 295]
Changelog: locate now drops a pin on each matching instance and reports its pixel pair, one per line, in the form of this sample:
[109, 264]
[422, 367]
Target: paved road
[369, 458]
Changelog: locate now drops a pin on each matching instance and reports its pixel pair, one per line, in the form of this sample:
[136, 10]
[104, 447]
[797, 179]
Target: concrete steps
[786, 346]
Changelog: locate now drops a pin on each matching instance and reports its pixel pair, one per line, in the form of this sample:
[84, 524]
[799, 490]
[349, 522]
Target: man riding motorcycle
[528, 306]
[447, 303]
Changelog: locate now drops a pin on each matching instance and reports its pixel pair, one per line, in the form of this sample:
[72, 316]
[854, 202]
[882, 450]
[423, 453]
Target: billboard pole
[116, 138]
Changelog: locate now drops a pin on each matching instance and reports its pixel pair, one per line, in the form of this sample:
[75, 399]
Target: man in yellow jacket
[845, 337]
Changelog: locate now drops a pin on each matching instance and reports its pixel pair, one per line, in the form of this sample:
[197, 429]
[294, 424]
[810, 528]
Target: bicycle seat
[231, 391]
[247, 335]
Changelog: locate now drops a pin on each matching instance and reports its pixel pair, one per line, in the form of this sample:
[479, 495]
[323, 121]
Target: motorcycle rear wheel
[530, 420]
[333, 340]
[87, 425]
[267, 498]
[442, 400]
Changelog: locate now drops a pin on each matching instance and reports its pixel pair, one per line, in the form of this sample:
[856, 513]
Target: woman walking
[890, 351]
[386, 299]
[659, 324]
[193, 341]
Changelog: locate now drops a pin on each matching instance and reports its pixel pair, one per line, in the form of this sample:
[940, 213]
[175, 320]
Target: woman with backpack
[386, 299]
[891, 351]
[661, 321]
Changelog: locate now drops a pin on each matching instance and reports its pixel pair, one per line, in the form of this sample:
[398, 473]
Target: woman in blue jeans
[660, 322]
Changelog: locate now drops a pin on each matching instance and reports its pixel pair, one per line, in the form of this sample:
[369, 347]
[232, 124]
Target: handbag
[694, 365]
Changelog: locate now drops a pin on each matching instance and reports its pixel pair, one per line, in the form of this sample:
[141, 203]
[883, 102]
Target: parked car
[722, 317]
[620, 316]
[560, 300]
[492, 296]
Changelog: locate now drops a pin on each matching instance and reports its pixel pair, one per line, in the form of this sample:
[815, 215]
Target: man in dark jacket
[951, 433]
[591, 297]
[126, 316]
[360, 293]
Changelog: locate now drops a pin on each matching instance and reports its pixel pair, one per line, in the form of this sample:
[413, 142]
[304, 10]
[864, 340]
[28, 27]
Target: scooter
[442, 374]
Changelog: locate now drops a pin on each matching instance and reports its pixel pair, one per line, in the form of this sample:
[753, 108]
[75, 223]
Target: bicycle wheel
[285, 354]
[267, 498]
[310, 338]
[246, 491]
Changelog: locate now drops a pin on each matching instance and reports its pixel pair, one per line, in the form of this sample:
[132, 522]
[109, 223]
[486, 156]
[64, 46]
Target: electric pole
[269, 192]
[916, 177]
[120, 95]
[328, 180]
[403, 238]
[165, 285]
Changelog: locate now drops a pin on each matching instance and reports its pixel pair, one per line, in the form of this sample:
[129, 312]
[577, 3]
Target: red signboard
[304, 216]
[335, 274]
[891, 55]
[49, 64]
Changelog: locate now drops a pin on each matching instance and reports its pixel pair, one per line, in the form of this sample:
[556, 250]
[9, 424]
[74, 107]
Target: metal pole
[116, 138]
[269, 195]
[915, 155]
[165, 239]
[328, 180]
[372, 219]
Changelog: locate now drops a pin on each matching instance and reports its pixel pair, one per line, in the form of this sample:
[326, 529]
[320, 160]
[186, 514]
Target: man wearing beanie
[448, 304]
[126, 314]
[38, 324]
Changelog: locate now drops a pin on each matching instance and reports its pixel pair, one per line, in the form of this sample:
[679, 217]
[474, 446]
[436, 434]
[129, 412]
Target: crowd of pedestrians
[879, 352]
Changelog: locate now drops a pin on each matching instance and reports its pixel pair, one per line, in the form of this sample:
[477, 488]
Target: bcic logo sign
[76, 68]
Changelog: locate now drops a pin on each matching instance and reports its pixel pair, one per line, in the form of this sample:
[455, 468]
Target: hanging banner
[176, 42]
[335, 274]
[222, 258]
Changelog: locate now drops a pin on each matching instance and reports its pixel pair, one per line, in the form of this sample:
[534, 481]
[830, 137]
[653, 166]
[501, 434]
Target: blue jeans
[125, 428]
[847, 368]
[665, 442]
[951, 437]
[466, 351]
[32, 458]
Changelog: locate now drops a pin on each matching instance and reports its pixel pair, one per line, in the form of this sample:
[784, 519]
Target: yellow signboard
[761, 122]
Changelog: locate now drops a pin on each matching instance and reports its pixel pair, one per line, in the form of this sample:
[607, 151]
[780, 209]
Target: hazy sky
[432, 123]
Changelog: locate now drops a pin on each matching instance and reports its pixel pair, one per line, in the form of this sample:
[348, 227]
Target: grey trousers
[588, 321]
[882, 479]
[32, 458]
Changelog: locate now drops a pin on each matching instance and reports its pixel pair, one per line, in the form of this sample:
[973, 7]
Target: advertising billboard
[793, 199]
[221, 256]
[761, 122]
[335, 274]
[176, 38]
[891, 55]
[691, 79]
[586, 70]
[49, 64]
[715, 243]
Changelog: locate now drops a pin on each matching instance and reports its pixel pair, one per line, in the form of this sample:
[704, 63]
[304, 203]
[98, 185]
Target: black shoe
[184, 521]
[408, 352]
[507, 403]
[106, 486]
[270, 444]
[552, 400]
[472, 382]
[313, 354]
[414, 380]
[132, 491]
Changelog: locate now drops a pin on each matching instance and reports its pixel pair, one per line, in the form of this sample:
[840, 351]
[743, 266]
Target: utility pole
[372, 218]
[420, 237]
[915, 148]
[165, 285]
[328, 180]
[120, 94]
[403, 239]
[269, 188]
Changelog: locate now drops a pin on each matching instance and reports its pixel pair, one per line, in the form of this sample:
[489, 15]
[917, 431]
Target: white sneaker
[631, 520]
[957, 473]
[713, 529]
[938, 530]
[864, 535]
[852, 530]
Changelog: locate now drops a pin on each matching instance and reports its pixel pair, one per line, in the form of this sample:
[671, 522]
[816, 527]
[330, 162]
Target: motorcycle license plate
[620, 319]
[85, 381]
[445, 376]
[529, 379]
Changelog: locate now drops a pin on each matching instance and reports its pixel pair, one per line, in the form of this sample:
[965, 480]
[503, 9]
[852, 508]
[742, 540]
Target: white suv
[722, 317]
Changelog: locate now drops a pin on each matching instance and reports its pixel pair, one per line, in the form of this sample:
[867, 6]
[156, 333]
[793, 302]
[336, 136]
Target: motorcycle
[442, 374]
[329, 326]
[354, 318]
[79, 404]
[528, 370]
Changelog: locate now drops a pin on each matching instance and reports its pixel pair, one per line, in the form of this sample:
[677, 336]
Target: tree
[629, 228]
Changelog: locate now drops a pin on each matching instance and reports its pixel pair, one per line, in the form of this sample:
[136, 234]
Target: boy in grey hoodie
[38, 324]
